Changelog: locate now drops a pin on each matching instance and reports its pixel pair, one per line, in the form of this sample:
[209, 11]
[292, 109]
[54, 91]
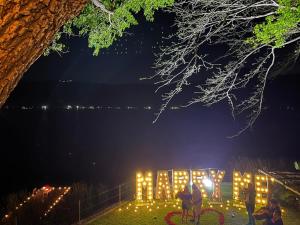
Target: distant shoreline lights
[170, 182]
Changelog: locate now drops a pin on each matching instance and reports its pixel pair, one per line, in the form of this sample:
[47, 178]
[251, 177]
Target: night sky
[77, 117]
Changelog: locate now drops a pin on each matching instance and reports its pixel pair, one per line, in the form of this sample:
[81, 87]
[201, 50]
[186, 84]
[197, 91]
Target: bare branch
[225, 24]
[100, 5]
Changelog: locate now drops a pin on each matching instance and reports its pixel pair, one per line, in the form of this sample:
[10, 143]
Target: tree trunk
[27, 27]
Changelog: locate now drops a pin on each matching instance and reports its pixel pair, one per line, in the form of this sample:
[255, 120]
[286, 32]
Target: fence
[104, 200]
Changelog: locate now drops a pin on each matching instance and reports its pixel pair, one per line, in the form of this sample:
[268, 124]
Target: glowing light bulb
[207, 183]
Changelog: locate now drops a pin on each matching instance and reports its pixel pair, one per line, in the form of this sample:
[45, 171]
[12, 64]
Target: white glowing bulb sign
[163, 187]
[180, 180]
[144, 186]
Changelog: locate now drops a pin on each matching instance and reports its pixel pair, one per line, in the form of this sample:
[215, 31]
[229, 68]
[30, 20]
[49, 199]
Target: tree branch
[225, 23]
[100, 5]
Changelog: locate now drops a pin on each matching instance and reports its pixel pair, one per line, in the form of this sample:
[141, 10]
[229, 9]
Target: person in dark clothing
[276, 219]
[274, 206]
[197, 204]
[266, 213]
[186, 197]
[250, 203]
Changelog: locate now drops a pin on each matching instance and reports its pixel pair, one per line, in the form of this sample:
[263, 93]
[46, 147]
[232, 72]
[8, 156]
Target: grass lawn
[153, 214]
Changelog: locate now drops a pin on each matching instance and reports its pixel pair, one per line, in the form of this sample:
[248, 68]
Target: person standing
[197, 204]
[186, 198]
[250, 194]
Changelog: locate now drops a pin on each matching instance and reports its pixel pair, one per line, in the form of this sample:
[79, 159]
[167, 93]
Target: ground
[153, 214]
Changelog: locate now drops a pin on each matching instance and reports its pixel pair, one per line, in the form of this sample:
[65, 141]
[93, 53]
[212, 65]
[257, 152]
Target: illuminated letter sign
[180, 180]
[144, 183]
[217, 178]
[239, 183]
[197, 177]
[163, 189]
[261, 186]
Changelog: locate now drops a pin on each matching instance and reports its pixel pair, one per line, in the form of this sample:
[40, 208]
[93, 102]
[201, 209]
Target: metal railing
[104, 200]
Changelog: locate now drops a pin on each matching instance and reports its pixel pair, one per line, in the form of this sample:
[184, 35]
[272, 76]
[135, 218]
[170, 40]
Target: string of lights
[20, 205]
[57, 200]
[82, 107]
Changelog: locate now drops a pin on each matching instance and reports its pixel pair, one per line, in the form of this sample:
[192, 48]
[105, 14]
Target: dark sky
[130, 58]
[113, 135]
